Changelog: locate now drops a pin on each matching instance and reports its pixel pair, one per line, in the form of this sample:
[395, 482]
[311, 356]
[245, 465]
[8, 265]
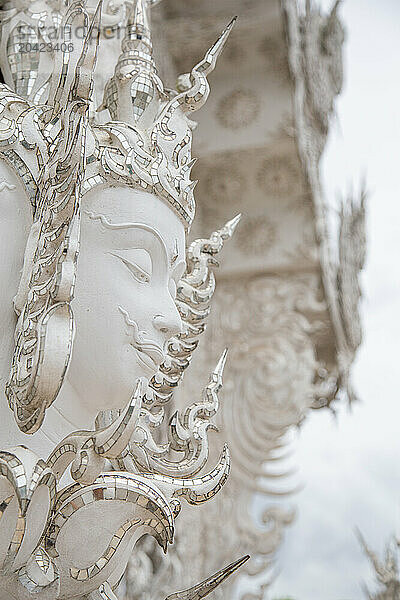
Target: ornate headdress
[148, 142]
[60, 155]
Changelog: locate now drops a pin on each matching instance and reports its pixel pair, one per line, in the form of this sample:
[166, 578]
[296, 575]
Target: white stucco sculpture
[92, 349]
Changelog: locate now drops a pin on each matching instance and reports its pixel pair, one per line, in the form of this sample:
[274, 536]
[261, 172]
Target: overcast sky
[351, 467]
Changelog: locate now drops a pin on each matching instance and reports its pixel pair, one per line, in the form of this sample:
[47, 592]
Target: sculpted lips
[151, 353]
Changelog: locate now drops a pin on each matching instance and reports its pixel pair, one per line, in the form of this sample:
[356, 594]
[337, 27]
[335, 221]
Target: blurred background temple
[287, 294]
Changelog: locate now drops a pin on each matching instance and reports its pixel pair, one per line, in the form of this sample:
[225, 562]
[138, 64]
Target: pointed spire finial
[138, 34]
[210, 60]
[194, 87]
[208, 585]
[219, 369]
[231, 225]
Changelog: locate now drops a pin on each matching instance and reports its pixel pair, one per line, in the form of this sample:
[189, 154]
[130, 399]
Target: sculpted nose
[168, 325]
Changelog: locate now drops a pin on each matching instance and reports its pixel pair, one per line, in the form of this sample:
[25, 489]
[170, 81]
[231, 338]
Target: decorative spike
[195, 87]
[210, 60]
[112, 441]
[191, 186]
[188, 432]
[335, 7]
[219, 369]
[231, 225]
[191, 164]
[208, 585]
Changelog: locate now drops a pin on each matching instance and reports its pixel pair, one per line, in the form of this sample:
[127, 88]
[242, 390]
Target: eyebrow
[123, 226]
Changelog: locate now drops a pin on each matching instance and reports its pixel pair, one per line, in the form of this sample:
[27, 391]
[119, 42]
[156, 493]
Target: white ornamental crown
[147, 143]
[156, 138]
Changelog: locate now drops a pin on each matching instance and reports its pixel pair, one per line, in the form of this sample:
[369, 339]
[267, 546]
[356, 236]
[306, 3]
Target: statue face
[132, 255]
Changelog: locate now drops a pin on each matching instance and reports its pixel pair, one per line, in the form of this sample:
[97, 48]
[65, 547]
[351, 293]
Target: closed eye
[138, 273]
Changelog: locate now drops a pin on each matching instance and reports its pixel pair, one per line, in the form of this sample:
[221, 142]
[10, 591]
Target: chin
[124, 379]
[140, 365]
